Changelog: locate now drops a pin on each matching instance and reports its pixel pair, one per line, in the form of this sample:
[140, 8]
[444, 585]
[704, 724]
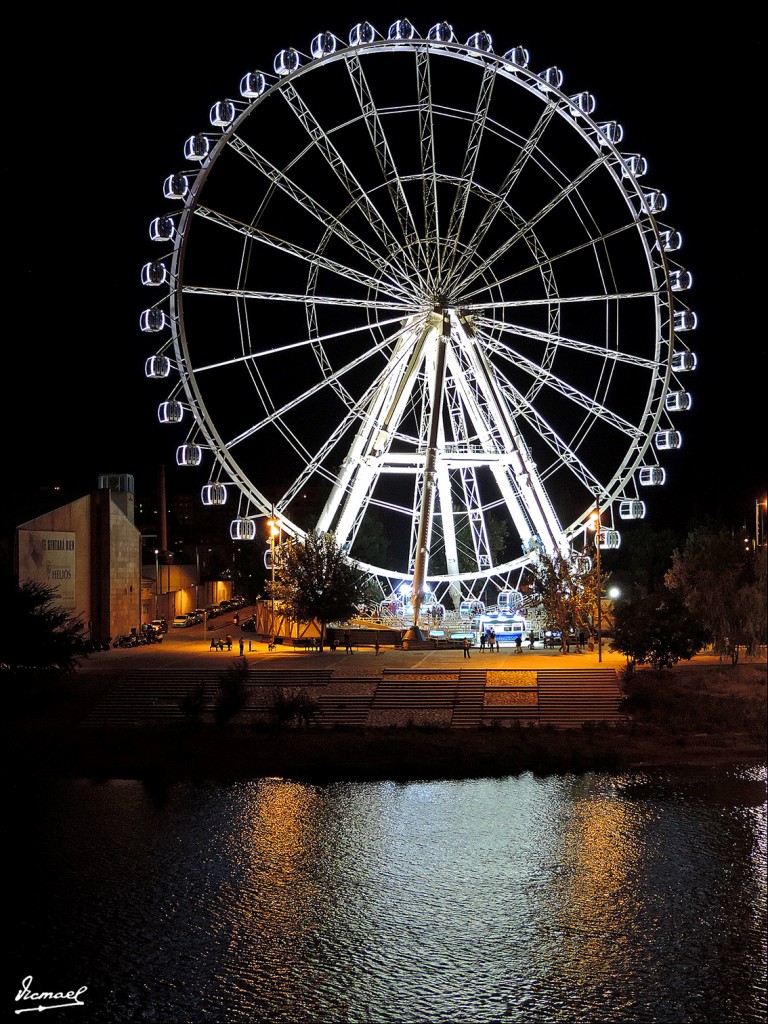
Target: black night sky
[96, 117]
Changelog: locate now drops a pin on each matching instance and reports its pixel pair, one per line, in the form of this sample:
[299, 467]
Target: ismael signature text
[47, 1000]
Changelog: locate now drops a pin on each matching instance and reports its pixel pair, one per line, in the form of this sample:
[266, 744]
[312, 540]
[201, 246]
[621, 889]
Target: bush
[232, 694]
[293, 706]
[191, 703]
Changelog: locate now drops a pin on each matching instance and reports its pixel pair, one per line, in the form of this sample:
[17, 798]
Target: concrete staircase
[564, 698]
[569, 698]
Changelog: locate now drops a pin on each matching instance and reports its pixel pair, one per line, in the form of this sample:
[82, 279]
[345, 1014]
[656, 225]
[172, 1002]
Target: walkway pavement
[191, 648]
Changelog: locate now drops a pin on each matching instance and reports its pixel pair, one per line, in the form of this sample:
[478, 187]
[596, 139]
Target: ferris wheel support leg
[430, 474]
[374, 436]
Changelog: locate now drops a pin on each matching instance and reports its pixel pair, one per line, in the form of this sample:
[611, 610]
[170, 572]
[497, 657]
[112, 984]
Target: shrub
[191, 704]
[293, 706]
[232, 694]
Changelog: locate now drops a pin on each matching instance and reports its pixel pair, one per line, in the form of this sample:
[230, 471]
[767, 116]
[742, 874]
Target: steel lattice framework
[421, 289]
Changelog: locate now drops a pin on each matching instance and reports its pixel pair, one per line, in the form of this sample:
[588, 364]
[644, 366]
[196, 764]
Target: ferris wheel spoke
[341, 270]
[342, 171]
[499, 203]
[563, 452]
[291, 346]
[301, 298]
[531, 222]
[574, 395]
[471, 156]
[548, 337]
[304, 200]
[389, 172]
[310, 392]
[545, 262]
[428, 156]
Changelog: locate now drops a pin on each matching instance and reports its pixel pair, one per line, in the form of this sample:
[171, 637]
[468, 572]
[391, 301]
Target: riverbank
[693, 714]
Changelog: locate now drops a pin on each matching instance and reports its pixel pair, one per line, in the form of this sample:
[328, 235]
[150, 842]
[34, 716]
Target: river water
[638, 897]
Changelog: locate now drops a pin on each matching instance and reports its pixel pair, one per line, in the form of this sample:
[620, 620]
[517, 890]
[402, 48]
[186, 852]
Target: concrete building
[89, 550]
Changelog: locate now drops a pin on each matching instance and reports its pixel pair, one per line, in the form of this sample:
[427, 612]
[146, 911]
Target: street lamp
[275, 527]
[596, 526]
[761, 508]
[157, 582]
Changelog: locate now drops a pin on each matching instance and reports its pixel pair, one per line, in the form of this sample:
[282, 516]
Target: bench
[305, 642]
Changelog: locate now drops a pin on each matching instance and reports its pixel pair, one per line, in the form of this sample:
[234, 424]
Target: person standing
[492, 640]
[347, 642]
[242, 646]
[519, 643]
[482, 641]
[466, 648]
[377, 645]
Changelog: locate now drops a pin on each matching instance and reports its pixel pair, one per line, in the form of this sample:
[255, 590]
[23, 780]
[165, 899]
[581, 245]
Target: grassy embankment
[692, 714]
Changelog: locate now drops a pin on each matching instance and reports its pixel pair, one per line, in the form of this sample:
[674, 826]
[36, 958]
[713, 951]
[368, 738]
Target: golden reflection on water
[602, 859]
[274, 844]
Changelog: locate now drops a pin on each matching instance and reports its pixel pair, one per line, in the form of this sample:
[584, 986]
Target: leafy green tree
[568, 597]
[655, 629]
[723, 584]
[645, 556]
[232, 693]
[38, 635]
[316, 581]
[372, 545]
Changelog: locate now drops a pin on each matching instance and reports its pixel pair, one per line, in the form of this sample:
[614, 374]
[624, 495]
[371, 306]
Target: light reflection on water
[631, 898]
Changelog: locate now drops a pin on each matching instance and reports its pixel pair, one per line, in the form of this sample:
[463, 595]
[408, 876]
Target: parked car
[182, 621]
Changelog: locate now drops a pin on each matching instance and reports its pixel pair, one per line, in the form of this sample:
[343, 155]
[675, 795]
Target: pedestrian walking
[377, 646]
[242, 646]
[347, 642]
[466, 648]
[519, 643]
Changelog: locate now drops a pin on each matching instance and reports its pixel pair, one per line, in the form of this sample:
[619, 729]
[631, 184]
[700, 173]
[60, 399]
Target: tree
[568, 597]
[655, 629]
[724, 586]
[38, 634]
[372, 545]
[316, 581]
[646, 554]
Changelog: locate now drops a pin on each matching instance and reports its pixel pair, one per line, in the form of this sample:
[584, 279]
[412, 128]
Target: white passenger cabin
[509, 600]
[470, 609]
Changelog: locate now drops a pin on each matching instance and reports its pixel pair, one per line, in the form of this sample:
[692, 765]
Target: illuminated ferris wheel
[415, 293]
